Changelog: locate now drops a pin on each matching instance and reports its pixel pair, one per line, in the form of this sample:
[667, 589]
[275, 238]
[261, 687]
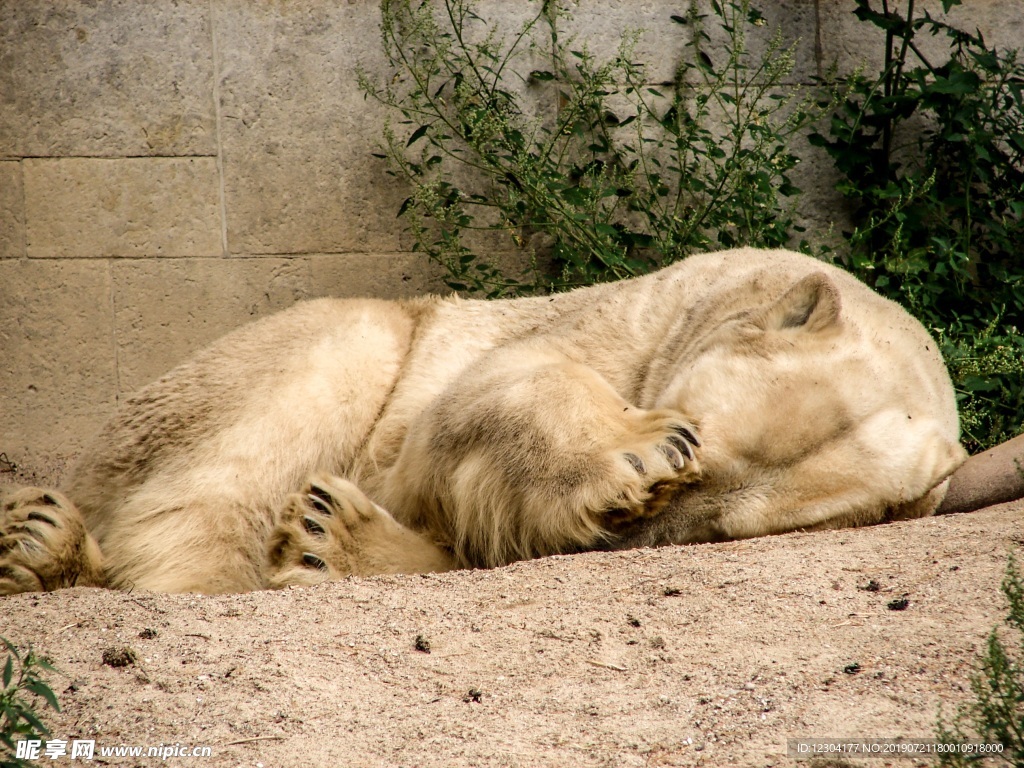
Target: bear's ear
[811, 304]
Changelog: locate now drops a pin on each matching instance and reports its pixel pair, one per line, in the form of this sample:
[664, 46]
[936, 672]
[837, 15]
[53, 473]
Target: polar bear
[730, 395]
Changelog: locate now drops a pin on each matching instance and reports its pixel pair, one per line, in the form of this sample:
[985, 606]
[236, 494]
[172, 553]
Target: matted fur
[730, 395]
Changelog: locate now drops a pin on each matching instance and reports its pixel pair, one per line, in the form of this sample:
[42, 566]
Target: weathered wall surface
[169, 171]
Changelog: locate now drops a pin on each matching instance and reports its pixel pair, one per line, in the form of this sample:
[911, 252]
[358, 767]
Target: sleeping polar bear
[730, 395]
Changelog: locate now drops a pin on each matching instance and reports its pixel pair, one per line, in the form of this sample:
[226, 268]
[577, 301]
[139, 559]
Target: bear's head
[819, 404]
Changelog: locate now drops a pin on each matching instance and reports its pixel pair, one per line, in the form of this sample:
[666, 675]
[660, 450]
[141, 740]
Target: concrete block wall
[171, 170]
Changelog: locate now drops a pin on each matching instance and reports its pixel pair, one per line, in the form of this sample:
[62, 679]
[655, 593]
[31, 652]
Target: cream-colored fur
[730, 395]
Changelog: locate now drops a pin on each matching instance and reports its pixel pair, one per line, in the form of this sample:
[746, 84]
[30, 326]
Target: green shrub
[23, 688]
[621, 178]
[997, 713]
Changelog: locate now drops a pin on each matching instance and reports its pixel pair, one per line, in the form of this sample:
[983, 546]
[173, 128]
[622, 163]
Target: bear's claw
[663, 452]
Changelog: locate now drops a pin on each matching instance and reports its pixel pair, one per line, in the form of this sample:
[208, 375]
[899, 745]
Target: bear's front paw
[677, 447]
[661, 453]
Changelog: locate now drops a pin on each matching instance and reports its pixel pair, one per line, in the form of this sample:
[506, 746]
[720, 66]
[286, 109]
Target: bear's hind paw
[44, 544]
[331, 529]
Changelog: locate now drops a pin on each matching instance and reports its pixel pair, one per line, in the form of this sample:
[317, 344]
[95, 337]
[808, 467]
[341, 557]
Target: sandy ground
[706, 655]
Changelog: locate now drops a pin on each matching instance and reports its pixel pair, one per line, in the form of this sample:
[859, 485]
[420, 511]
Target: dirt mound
[712, 654]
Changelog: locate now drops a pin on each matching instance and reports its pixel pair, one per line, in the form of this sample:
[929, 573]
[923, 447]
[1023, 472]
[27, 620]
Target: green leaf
[418, 134]
[8, 671]
[34, 722]
[958, 83]
[41, 689]
[890, 22]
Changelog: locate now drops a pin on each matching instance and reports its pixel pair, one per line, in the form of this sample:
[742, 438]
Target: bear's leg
[331, 529]
[44, 544]
[532, 453]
